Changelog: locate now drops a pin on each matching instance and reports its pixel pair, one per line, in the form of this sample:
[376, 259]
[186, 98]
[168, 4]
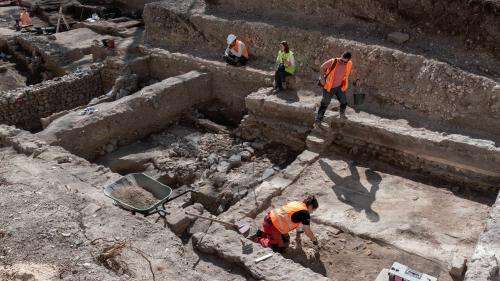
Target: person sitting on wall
[236, 52]
[278, 223]
[25, 19]
[286, 65]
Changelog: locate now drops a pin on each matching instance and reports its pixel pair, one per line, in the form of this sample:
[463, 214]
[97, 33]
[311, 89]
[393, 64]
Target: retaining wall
[24, 107]
[455, 158]
[478, 21]
[229, 85]
[278, 119]
[128, 119]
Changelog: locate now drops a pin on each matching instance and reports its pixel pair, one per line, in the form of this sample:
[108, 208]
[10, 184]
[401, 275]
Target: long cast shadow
[350, 190]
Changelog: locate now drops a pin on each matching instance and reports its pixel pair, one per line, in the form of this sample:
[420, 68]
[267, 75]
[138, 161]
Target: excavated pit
[203, 156]
[411, 176]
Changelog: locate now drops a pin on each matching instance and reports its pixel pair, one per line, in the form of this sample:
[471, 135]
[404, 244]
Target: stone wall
[25, 106]
[397, 84]
[114, 67]
[454, 158]
[278, 119]
[452, 17]
[484, 264]
[128, 119]
[228, 85]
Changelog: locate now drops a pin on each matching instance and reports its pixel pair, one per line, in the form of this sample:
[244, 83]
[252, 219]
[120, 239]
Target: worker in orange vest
[334, 81]
[236, 52]
[24, 18]
[279, 222]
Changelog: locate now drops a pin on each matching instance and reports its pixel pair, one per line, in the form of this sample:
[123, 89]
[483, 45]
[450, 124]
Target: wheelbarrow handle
[178, 195]
[212, 219]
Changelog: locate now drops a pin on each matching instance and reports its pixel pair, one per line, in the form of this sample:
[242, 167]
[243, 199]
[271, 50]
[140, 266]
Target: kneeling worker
[281, 221]
[236, 52]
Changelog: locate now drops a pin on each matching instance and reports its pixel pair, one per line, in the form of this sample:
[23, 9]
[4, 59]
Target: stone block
[398, 37]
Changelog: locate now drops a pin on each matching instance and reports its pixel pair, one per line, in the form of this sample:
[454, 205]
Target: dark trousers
[327, 98]
[280, 76]
[236, 61]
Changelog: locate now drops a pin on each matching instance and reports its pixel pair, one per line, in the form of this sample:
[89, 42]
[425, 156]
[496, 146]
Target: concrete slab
[412, 216]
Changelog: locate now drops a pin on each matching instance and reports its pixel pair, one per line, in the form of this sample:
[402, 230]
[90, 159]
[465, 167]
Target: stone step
[315, 143]
[316, 15]
[457, 158]
[91, 135]
[404, 85]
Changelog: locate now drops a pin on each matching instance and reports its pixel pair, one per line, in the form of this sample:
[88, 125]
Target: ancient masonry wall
[115, 67]
[397, 84]
[25, 106]
[485, 263]
[229, 85]
[128, 119]
[278, 120]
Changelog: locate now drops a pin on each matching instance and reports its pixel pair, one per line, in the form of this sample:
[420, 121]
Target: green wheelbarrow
[159, 195]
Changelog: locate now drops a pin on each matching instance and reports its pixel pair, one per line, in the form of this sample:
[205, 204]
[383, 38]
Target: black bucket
[359, 98]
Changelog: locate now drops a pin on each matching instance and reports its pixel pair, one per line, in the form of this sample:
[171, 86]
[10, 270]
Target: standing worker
[286, 65]
[279, 222]
[236, 52]
[334, 80]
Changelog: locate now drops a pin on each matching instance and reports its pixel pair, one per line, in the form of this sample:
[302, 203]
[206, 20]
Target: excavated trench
[202, 154]
[27, 65]
[228, 163]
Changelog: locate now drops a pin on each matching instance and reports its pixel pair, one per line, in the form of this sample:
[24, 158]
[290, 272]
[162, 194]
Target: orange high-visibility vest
[236, 48]
[282, 217]
[25, 19]
[345, 81]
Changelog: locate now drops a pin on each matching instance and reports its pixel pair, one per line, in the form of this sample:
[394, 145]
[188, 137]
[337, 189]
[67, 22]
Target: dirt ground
[60, 215]
[220, 166]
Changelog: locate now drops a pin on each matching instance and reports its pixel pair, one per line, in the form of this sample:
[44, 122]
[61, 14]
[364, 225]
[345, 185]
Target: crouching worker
[286, 65]
[279, 222]
[236, 52]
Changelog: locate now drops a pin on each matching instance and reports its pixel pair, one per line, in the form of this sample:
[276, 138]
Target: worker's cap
[231, 38]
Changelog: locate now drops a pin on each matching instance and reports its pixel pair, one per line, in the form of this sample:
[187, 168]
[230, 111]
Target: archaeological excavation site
[181, 140]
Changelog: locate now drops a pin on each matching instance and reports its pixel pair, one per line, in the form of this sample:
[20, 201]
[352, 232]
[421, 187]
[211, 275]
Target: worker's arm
[309, 233]
[291, 62]
[226, 53]
[325, 66]
[239, 53]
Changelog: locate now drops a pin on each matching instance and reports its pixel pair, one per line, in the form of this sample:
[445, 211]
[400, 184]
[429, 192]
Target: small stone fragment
[398, 37]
